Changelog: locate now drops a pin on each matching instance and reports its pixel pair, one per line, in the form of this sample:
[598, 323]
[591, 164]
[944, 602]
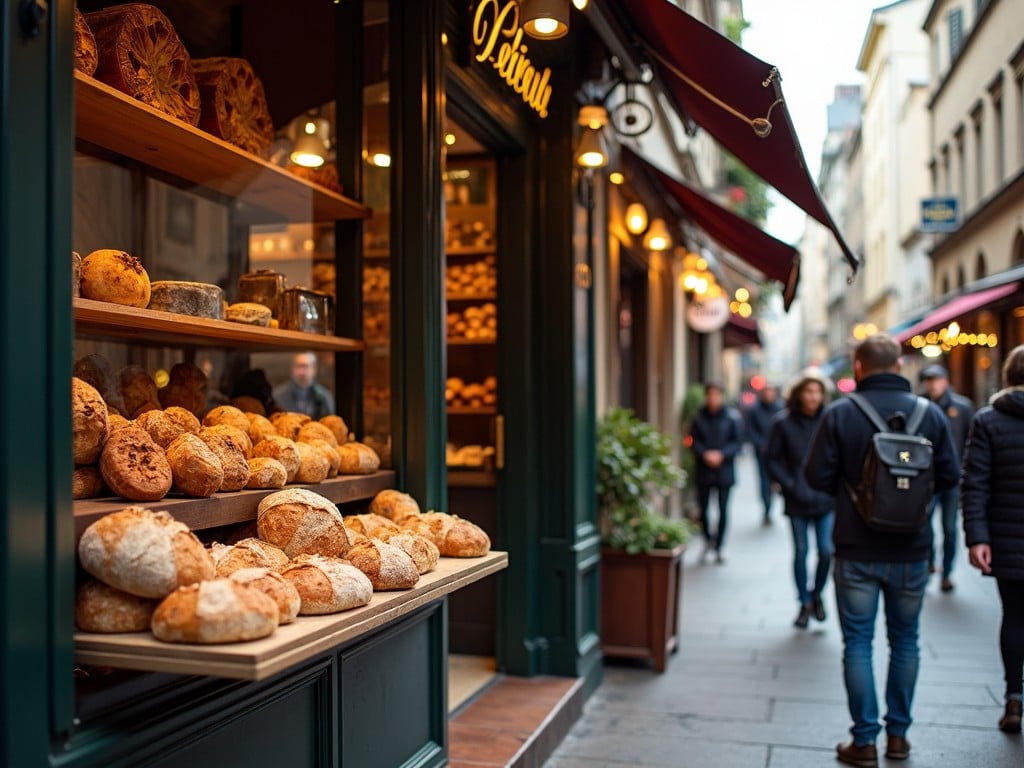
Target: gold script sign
[494, 23]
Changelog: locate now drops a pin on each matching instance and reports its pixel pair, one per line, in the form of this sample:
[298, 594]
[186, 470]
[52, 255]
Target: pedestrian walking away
[758, 418]
[870, 563]
[993, 499]
[808, 509]
[958, 410]
[715, 439]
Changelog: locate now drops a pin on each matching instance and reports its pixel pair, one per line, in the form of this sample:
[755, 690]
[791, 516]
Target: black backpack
[897, 481]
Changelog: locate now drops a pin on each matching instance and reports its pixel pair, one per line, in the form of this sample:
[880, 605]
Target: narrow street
[748, 689]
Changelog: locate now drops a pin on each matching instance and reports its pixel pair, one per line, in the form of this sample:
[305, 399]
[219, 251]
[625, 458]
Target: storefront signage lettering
[499, 40]
[707, 316]
[939, 214]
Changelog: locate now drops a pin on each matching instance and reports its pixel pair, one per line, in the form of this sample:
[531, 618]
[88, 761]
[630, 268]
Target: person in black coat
[992, 491]
[759, 422]
[788, 441]
[715, 439]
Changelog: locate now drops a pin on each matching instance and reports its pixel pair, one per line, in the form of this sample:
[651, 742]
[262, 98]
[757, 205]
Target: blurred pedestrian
[871, 563]
[993, 498]
[759, 420]
[716, 435]
[789, 440]
[302, 393]
[958, 410]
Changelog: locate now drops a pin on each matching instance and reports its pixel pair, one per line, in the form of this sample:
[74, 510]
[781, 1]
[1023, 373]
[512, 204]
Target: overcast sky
[815, 44]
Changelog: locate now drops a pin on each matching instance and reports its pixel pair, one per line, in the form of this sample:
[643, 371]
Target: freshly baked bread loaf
[288, 424]
[161, 427]
[239, 436]
[234, 106]
[87, 482]
[273, 585]
[217, 611]
[453, 536]
[186, 298]
[370, 525]
[116, 277]
[394, 505]
[134, 466]
[101, 608]
[282, 449]
[76, 269]
[313, 465]
[145, 553]
[115, 421]
[88, 422]
[329, 452]
[337, 425]
[302, 523]
[314, 430]
[260, 428]
[248, 313]
[232, 459]
[357, 459]
[195, 468]
[423, 551]
[327, 584]
[266, 473]
[248, 404]
[96, 370]
[387, 566]
[86, 55]
[138, 390]
[227, 414]
[247, 553]
[186, 388]
[184, 418]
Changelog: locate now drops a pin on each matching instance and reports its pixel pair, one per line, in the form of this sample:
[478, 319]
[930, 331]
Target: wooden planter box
[640, 603]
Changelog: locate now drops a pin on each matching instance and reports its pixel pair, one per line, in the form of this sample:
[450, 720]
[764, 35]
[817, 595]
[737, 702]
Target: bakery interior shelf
[461, 341]
[484, 410]
[471, 297]
[471, 478]
[231, 508]
[105, 320]
[469, 250]
[265, 192]
[376, 253]
[290, 644]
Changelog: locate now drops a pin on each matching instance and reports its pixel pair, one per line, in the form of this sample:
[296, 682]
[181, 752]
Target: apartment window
[947, 182]
[1018, 248]
[933, 173]
[999, 138]
[945, 284]
[980, 267]
[979, 152]
[961, 277]
[961, 168]
[955, 20]
[936, 57]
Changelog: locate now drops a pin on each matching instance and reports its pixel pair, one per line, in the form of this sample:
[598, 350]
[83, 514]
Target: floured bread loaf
[337, 426]
[275, 586]
[329, 452]
[194, 466]
[248, 404]
[89, 427]
[232, 459]
[370, 525]
[217, 611]
[162, 427]
[247, 553]
[266, 473]
[86, 482]
[385, 565]
[138, 390]
[328, 584]
[145, 553]
[101, 608]
[314, 430]
[282, 449]
[453, 536]
[357, 459]
[184, 417]
[423, 551]
[313, 465]
[96, 370]
[301, 522]
[134, 466]
[239, 436]
[394, 505]
[248, 313]
[116, 421]
[260, 427]
[227, 414]
[288, 424]
[185, 298]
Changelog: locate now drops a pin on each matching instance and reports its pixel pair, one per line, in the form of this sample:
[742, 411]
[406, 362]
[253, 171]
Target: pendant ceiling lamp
[657, 238]
[313, 142]
[545, 19]
[636, 218]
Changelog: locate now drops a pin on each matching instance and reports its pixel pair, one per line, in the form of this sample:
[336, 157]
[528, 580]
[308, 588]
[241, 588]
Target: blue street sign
[940, 214]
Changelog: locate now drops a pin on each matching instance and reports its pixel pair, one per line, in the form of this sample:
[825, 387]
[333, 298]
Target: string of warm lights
[951, 336]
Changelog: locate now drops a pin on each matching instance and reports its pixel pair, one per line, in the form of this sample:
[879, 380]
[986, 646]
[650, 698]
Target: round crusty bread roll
[247, 553]
[260, 428]
[249, 313]
[248, 404]
[453, 536]
[115, 276]
[232, 459]
[216, 611]
[115, 421]
[385, 565]
[313, 465]
[394, 505]
[266, 473]
[282, 449]
[186, 388]
[101, 608]
[184, 417]
[96, 370]
[329, 452]
[144, 553]
[289, 424]
[89, 426]
[327, 584]
[370, 525]
[138, 389]
[86, 482]
[273, 585]
[239, 436]
[297, 416]
[357, 459]
[423, 551]
[196, 469]
[314, 430]
[337, 425]
[161, 427]
[134, 466]
[226, 414]
[301, 522]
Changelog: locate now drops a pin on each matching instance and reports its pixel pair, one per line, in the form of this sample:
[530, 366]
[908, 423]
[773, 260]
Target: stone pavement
[748, 689]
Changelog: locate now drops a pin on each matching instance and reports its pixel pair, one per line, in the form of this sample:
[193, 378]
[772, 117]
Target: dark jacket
[318, 403]
[789, 440]
[720, 431]
[759, 421]
[837, 455]
[992, 482]
[958, 410]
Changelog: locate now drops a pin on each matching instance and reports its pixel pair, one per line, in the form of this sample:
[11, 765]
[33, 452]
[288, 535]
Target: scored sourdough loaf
[394, 505]
[357, 459]
[247, 553]
[101, 608]
[301, 522]
[145, 553]
[453, 536]
[239, 437]
[215, 611]
[89, 424]
[370, 525]
[327, 584]
[134, 466]
[275, 586]
[423, 551]
[386, 566]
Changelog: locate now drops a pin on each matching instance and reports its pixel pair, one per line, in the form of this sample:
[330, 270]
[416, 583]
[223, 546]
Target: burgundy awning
[740, 332]
[732, 95]
[954, 308]
[772, 257]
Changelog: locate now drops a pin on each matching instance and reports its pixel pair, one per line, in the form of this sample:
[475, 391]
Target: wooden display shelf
[290, 644]
[471, 297]
[231, 508]
[105, 320]
[376, 253]
[265, 192]
[486, 342]
[471, 478]
[472, 250]
[485, 410]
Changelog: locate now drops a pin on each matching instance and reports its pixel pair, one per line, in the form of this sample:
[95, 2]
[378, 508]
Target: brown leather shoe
[1010, 721]
[897, 748]
[865, 755]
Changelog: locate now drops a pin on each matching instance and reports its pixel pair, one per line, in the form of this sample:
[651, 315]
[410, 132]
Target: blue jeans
[766, 481]
[950, 503]
[704, 501]
[858, 585]
[823, 537]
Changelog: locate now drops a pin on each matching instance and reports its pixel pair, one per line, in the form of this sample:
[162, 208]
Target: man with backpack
[883, 479]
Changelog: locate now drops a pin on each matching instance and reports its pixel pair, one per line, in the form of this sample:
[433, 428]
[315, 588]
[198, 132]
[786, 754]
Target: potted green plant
[641, 561]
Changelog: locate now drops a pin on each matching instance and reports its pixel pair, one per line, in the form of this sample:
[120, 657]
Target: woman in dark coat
[785, 451]
[992, 495]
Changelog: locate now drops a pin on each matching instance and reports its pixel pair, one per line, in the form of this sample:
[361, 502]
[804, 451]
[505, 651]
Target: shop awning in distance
[740, 332]
[734, 96]
[955, 308]
[772, 257]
